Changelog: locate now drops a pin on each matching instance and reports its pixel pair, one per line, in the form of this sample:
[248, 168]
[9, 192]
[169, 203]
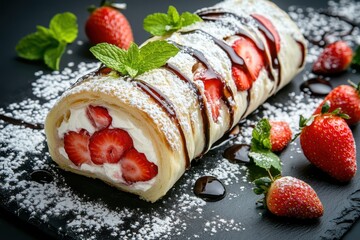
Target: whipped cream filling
[109, 171]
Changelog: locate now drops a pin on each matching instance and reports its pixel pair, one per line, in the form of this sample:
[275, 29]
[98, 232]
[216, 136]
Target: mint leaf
[135, 60]
[64, 27]
[265, 159]
[49, 44]
[160, 24]
[355, 63]
[53, 55]
[256, 172]
[155, 54]
[33, 46]
[260, 150]
[111, 55]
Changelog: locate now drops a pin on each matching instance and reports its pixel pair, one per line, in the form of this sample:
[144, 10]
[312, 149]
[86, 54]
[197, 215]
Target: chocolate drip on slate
[209, 189]
[41, 176]
[201, 100]
[316, 87]
[237, 153]
[19, 122]
[168, 107]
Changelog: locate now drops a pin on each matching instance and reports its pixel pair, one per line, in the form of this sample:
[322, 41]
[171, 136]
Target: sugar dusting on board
[23, 151]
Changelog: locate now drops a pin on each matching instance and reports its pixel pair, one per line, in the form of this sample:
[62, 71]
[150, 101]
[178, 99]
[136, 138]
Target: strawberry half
[109, 145]
[136, 168]
[347, 98]
[107, 24]
[335, 58]
[270, 31]
[291, 197]
[98, 116]
[280, 135]
[253, 59]
[76, 146]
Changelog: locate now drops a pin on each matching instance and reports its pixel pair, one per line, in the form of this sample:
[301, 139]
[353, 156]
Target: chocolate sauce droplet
[209, 189]
[19, 122]
[316, 87]
[237, 153]
[41, 176]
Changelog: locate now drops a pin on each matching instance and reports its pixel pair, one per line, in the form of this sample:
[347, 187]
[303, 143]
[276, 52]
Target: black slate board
[341, 201]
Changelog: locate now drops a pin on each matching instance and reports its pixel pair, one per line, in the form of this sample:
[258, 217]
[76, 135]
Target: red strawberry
[253, 59]
[243, 82]
[347, 98]
[328, 143]
[272, 33]
[280, 135]
[98, 116]
[109, 145]
[136, 168]
[213, 93]
[335, 58]
[76, 146]
[107, 24]
[291, 197]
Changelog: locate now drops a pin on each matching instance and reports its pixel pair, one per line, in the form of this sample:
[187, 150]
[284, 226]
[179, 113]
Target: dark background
[19, 18]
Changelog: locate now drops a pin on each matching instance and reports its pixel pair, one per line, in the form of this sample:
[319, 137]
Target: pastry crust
[173, 143]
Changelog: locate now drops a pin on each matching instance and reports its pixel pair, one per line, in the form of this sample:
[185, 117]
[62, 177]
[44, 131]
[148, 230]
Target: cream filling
[109, 171]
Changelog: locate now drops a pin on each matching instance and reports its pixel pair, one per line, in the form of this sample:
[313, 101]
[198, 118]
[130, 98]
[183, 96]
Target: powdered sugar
[84, 214]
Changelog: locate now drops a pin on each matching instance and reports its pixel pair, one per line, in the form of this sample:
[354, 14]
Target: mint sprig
[160, 24]
[135, 60]
[49, 44]
[260, 150]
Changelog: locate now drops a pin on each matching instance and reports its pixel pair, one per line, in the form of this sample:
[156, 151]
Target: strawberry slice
[76, 146]
[213, 94]
[109, 145]
[253, 59]
[242, 81]
[270, 31]
[136, 168]
[98, 116]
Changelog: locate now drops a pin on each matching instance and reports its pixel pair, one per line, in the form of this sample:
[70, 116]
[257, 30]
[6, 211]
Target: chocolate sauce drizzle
[209, 189]
[18, 122]
[201, 101]
[168, 107]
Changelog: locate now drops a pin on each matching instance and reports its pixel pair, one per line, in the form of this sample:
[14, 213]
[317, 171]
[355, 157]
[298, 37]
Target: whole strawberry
[335, 58]
[289, 197]
[328, 143]
[280, 135]
[347, 98]
[107, 24]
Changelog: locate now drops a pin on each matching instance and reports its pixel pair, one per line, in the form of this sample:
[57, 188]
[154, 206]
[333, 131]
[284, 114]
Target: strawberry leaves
[49, 44]
[260, 151]
[160, 24]
[135, 60]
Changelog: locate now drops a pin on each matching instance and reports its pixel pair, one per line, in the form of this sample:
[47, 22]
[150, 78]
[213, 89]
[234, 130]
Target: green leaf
[256, 172]
[135, 60]
[188, 18]
[53, 55]
[355, 63]
[111, 55]
[265, 159]
[157, 24]
[261, 135]
[64, 27]
[33, 46]
[155, 54]
[160, 24]
[173, 15]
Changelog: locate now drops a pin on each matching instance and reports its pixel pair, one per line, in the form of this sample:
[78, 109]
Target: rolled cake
[141, 134]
